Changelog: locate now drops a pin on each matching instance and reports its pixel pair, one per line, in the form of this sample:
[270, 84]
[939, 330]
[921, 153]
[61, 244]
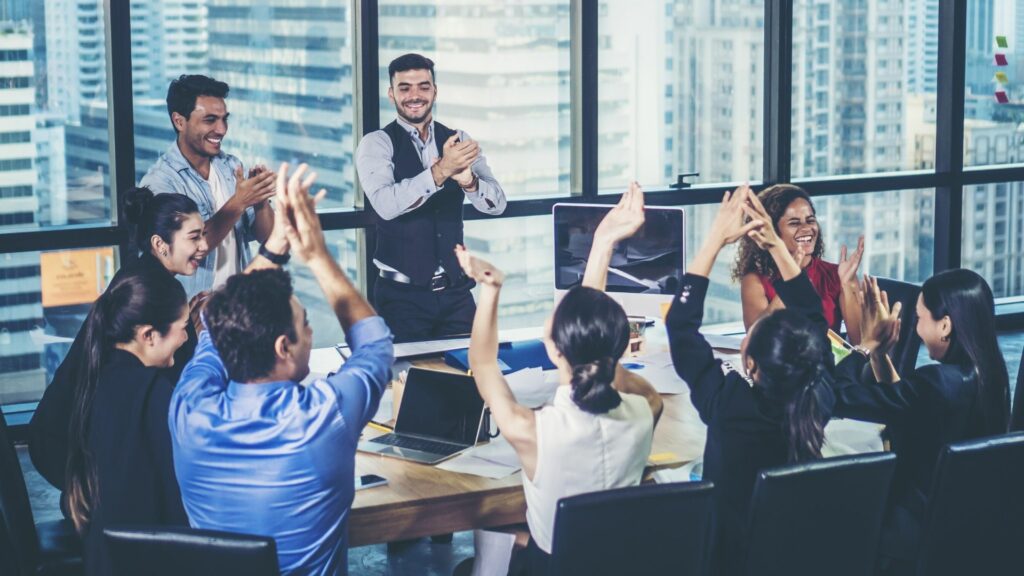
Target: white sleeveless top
[579, 452]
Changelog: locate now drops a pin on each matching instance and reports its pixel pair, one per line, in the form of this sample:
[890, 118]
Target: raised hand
[625, 218]
[297, 213]
[195, 310]
[848, 266]
[729, 225]
[480, 270]
[765, 235]
[255, 189]
[880, 323]
[457, 158]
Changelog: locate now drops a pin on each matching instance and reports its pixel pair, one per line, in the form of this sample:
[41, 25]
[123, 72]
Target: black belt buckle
[439, 282]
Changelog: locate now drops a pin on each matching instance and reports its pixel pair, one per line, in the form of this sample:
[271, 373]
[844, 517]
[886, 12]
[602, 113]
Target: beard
[424, 114]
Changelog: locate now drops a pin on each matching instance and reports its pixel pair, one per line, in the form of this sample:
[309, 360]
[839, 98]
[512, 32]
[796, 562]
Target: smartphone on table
[369, 481]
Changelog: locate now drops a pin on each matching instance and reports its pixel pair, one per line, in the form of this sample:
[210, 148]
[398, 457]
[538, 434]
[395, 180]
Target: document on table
[322, 362]
[496, 459]
[657, 369]
[532, 387]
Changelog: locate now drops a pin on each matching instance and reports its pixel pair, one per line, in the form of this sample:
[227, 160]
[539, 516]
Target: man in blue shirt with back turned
[255, 452]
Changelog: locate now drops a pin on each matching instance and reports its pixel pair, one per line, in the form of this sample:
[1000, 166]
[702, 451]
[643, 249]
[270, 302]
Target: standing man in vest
[416, 173]
[236, 209]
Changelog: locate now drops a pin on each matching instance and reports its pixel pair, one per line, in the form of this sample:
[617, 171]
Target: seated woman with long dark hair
[168, 233]
[965, 395]
[119, 468]
[597, 432]
[795, 222]
[776, 414]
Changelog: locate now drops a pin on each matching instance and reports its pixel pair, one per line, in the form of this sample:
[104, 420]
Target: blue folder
[512, 357]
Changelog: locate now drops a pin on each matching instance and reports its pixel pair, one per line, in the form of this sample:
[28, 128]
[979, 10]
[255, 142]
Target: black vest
[417, 242]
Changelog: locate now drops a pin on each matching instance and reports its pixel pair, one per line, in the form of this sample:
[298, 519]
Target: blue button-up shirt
[278, 459]
[173, 174]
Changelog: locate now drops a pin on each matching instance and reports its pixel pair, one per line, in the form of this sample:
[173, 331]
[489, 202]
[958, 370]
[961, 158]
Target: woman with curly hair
[796, 223]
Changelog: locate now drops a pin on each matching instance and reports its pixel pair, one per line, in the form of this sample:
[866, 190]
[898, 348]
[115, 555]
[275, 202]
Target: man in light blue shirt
[235, 209]
[255, 451]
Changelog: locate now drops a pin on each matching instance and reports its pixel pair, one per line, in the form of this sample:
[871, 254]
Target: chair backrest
[19, 543]
[165, 551]
[904, 356]
[651, 529]
[1017, 414]
[975, 518]
[821, 517]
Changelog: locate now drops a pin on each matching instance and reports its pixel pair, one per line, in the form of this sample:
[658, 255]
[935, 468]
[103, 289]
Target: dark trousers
[415, 313]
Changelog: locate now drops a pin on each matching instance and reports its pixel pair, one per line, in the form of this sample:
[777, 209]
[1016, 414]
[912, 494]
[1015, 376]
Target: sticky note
[1001, 97]
[1000, 59]
[662, 457]
[1001, 42]
[1002, 78]
[664, 310]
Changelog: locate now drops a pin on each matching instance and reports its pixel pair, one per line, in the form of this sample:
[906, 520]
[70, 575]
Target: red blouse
[824, 276]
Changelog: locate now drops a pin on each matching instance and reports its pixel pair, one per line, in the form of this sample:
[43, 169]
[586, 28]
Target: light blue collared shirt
[173, 174]
[278, 459]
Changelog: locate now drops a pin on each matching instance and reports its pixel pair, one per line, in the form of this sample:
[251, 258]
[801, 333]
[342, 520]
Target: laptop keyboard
[410, 443]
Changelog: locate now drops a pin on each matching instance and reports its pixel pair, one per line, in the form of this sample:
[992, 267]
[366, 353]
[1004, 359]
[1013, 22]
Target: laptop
[440, 416]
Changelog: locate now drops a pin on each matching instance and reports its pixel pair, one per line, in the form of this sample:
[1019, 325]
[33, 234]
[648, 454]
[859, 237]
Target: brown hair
[750, 257]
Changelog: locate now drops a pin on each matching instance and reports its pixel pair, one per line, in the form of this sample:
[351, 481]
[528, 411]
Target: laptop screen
[443, 405]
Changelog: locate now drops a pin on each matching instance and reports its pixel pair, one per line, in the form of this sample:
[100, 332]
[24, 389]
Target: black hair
[966, 298]
[407, 62]
[592, 332]
[151, 215]
[246, 316]
[788, 348]
[183, 91]
[134, 299]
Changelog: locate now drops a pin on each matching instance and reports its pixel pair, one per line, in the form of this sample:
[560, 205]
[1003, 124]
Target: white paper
[493, 552]
[680, 474]
[322, 362]
[844, 436]
[662, 377]
[494, 460]
[531, 387]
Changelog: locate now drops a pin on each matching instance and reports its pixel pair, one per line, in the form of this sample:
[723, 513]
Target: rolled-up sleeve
[364, 376]
[376, 170]
[489, 197]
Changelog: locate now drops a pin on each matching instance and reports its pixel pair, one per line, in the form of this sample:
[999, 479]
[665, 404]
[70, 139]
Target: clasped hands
[456, 163]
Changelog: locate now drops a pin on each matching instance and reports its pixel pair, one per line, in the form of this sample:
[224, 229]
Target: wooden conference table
[421, 500]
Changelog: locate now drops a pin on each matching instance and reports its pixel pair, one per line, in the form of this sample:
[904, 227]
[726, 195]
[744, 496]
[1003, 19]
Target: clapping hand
[480, 270]
[625, 218]
[255, 189]
[729, 225]
[195, 310]
[458, 158]
[765, 235]
[296, 213]
[848, 266]
[880, 323]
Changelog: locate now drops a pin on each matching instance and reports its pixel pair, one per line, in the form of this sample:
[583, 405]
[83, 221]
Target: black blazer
[745, 432]
[131, 447]
[48, 430]
[927, 409]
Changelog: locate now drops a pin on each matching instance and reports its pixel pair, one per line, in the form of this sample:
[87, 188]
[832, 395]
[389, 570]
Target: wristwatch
[862, 350]
[279, 259]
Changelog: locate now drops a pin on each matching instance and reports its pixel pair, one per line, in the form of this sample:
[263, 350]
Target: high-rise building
[921, 46]
[20, 308]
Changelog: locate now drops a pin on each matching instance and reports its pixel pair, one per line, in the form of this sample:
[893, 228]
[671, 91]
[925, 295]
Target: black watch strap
[279, 259]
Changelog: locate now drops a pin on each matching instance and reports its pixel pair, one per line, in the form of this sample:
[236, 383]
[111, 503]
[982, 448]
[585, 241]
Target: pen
[380, 427]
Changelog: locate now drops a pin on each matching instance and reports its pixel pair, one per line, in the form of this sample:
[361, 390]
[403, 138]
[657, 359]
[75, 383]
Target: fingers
[451, 140]
[842, 253]
[636, 196]
[896, 309]
[238, 172]
[319, 196]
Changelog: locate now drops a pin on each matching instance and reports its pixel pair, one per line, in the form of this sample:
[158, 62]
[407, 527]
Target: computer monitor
[645, 270]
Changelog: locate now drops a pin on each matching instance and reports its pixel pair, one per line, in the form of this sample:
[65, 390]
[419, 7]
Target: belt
[437, 283]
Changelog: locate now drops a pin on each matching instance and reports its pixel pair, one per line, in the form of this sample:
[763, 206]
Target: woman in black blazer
[168, 232]
[119, 468]
[965, 395]
[778, 414]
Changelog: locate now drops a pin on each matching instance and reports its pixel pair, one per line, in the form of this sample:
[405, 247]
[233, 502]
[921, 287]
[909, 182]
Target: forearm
[704, 260]
[489, 197]
[275, 245]
[391, 199]
[883, 369]
[348, 304]
[596, 274]
[223, 222]
[263, 224]
[483, 343]
[788, 267]
[630, 383]
[852, 318]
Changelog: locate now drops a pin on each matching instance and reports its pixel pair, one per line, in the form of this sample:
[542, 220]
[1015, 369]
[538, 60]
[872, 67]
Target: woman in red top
[791, 209]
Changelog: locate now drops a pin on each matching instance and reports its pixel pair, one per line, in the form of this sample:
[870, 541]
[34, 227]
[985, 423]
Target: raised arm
[620, 223]
[848, 302]
[880, 325]
[517, 423]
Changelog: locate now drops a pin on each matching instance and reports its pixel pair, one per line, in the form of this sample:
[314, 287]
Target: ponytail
[592, 387]
[788, 350]
[592, 332]
[151, 215]
[144, 297]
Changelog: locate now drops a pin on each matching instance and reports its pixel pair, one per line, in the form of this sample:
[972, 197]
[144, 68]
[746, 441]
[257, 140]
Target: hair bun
[135, 202]
[592, 387]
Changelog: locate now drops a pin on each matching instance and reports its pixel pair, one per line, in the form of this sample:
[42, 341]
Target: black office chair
[821, 517]
[652, 529]
[164, 551]
[50, 548]
[975, 518]
[1017, 414]
[904, 355]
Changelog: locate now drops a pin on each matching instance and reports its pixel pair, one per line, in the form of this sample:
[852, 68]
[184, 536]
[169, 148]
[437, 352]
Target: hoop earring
[944, 338]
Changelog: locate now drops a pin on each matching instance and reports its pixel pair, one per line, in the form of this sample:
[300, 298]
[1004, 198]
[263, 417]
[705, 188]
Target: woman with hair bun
[597, 432]
[168, 233]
